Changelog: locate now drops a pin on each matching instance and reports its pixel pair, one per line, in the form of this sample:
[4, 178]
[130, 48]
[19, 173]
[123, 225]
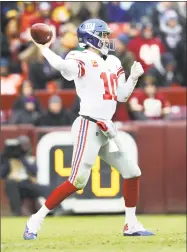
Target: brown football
[41, 33]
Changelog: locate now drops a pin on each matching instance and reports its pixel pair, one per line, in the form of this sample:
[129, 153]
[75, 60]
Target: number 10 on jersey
[110, 85]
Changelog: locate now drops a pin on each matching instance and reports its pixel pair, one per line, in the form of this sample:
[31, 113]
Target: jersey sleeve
[120, 72]
[77, 57]
[125, 88]
[68, 68]
[119, 69]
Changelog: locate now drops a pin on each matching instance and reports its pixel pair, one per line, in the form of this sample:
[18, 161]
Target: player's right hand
[136, 70]
[45, 45]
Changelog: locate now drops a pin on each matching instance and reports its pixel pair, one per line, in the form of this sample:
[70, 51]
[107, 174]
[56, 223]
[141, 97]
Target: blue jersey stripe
[79, 150]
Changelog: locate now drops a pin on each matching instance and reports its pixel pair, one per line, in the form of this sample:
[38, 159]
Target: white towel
[111, 133]
[112, 146]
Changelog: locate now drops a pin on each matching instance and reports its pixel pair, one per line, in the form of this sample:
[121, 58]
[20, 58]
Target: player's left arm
[125, 88]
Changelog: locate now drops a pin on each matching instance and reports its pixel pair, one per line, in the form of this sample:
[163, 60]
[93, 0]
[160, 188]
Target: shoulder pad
[77, 55]
[115, 60]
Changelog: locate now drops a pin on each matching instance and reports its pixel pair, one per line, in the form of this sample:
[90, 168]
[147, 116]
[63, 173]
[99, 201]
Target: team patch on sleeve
[120, 71]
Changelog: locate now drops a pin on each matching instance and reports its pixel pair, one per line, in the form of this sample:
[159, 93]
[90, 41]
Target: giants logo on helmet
[90, 26]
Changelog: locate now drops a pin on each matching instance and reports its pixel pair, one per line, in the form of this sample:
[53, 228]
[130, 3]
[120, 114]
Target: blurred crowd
[153, 33]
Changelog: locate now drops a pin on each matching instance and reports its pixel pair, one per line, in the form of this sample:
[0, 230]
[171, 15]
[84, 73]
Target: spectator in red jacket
[149, 104]
[147, 48]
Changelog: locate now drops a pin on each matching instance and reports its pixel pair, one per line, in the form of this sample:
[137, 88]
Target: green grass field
[95, 234]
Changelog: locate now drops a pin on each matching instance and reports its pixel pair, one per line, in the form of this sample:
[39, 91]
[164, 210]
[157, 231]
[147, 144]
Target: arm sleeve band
[125, 88]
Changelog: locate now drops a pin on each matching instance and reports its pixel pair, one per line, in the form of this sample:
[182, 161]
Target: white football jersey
[96, 83]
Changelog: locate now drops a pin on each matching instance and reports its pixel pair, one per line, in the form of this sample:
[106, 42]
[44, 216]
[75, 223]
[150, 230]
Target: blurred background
[36, 100]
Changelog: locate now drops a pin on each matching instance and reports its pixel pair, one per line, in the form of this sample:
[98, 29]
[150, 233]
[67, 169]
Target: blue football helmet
[94, 33]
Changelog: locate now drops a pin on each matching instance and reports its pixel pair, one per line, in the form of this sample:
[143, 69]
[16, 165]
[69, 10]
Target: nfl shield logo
[94, 63]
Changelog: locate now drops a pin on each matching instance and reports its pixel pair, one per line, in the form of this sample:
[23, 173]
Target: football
[41, 33]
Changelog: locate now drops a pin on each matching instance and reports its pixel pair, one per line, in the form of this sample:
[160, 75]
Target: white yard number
[90, 26]
[150, 54]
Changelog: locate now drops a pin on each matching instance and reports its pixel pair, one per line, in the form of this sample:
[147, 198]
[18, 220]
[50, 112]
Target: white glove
[136, 70]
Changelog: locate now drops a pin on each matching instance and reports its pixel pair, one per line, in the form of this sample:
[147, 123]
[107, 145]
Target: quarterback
[100, 82]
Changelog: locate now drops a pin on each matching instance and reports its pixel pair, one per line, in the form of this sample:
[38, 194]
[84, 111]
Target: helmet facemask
[102, 42]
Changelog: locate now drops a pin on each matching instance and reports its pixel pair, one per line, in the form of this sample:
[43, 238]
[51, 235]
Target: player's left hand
[136, 70]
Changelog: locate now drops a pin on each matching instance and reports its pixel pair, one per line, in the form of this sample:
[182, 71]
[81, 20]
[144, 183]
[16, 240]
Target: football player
[100, 82]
